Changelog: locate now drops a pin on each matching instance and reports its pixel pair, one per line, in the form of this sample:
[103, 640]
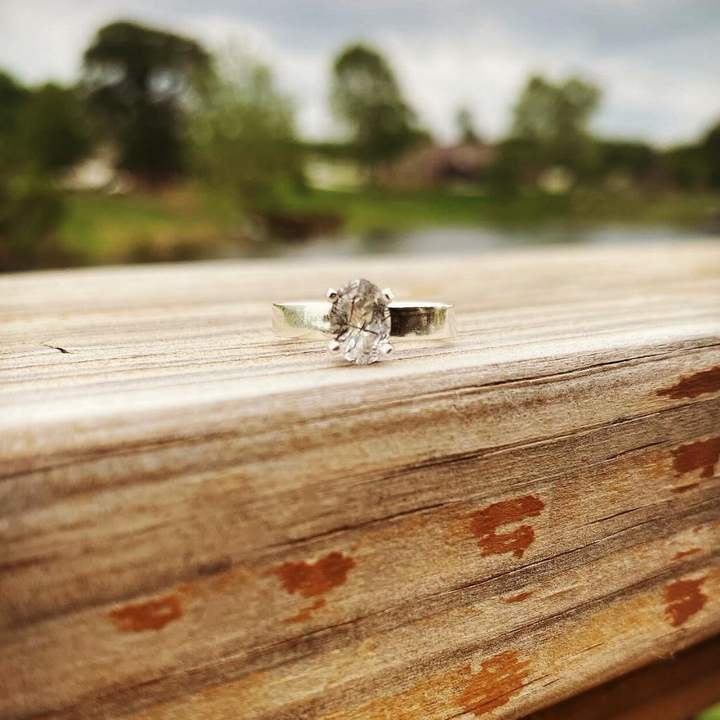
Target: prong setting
[386, 349]
[331, 294]
[334, 346]
[389, 294]
[359, 320]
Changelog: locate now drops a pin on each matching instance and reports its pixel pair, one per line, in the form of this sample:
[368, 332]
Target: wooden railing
[200, 521]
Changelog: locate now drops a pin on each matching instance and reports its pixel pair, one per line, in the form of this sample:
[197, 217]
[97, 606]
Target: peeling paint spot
[684, 488]
[485, 523]
[692, 386]
[683, 599]
[520, 597]
[151, 615]
[316, 578]
[499, 679]
[306, 613]
[686, 553]
[700, 455]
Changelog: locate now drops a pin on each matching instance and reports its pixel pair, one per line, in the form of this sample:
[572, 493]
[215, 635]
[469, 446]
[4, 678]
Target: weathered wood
[200, 521]
[677, 688]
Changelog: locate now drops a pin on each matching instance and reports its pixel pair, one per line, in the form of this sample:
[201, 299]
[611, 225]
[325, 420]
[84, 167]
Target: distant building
[437, 166]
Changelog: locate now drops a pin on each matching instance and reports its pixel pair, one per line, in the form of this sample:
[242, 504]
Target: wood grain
[198, 520]
[675, 688]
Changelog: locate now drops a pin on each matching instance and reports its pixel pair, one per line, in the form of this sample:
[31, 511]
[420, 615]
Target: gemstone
[360, 321]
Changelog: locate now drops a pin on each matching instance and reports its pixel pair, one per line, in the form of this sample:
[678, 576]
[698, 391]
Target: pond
[470, 240]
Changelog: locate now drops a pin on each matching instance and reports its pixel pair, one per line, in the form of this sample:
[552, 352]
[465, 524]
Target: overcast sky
[658, 61]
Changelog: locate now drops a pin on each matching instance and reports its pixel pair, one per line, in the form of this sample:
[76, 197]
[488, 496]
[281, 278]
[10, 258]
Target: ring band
[409, 320]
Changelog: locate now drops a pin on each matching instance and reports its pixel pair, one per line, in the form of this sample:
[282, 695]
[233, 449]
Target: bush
[30, 210]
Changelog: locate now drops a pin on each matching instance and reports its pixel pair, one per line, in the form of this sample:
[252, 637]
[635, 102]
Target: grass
[107, 228]
[370, 210]
[179, 223]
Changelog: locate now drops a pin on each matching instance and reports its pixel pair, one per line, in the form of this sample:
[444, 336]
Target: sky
[657, 61]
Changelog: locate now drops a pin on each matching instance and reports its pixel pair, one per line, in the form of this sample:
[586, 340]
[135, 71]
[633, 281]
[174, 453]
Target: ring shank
[409, 320]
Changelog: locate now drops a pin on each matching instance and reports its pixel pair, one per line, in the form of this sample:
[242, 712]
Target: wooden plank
[676, 688]
[200, 521]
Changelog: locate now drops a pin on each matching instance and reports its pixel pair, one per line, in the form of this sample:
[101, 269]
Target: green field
[184, 224]
[370, 210]
[113, 228]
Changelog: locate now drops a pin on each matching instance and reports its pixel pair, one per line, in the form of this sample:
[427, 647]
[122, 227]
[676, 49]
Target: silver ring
[360, 318]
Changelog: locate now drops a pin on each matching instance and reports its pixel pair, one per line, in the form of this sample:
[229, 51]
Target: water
[472, 240]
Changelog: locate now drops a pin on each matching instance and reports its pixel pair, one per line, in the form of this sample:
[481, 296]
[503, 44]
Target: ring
[361, 318]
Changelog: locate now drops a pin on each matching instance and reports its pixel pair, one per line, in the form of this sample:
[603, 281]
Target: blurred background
[136, 132]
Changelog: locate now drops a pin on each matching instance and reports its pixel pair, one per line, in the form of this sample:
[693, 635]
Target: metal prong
[334, 346]
[386, 349]
[389, 294]
[331, 294]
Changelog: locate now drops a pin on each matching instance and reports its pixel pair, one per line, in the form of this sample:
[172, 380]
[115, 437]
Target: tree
[243, 136]
[42, 129]
[710, 148]
[555, 118]
[365, 96]
[635, 160]
[12, 98]
[31, 206]
[138, 79]
[466, 126]
[54, 132]
[686, 166]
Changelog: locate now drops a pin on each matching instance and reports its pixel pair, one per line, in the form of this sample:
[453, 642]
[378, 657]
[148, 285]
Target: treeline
[167, 110]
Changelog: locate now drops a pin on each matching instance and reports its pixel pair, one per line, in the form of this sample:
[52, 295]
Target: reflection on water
[469, 240]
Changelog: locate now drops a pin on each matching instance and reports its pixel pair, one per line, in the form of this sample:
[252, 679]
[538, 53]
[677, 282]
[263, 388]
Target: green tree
[466, 126]
[242, 136]
[686, 166]
[139, 79]
[555, 118]
[366, 97]
[54, 133]
[635, 160]
[31, 206]
[12, 98]
[710, 148]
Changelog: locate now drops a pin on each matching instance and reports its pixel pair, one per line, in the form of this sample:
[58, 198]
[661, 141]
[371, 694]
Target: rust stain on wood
[699, 455]
[520, 597]
[316, 578]
[151, 615]
[686, 553]
[499, 679]
[692, 386]
[485, 523]
[683, 599]
[306, 613]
